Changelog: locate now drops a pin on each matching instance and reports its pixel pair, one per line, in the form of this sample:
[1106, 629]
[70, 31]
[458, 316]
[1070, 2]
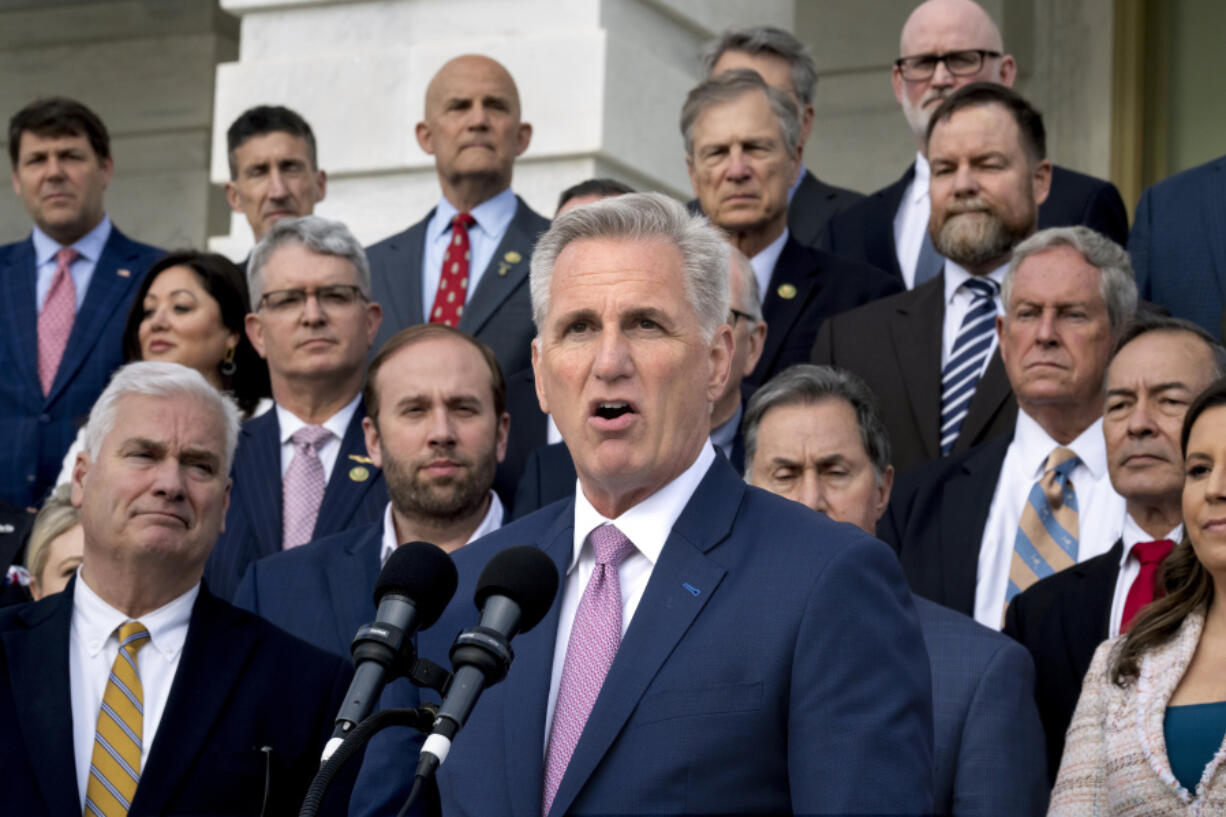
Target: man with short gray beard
[938, 375]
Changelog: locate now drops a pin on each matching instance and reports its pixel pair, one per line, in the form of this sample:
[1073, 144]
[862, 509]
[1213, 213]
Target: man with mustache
[946, 45]
[1158, 367]
[940, 379]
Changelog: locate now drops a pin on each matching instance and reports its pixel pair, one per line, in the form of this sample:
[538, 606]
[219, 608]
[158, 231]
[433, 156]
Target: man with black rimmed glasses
[945, 45]
[302, 470]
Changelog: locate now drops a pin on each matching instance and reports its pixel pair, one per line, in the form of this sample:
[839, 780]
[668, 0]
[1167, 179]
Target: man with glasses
[945, 45]
[302, 469]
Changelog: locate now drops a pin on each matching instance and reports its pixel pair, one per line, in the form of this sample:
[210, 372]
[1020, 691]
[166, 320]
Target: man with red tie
[63, 291]
[1158, 367]
[466, 263]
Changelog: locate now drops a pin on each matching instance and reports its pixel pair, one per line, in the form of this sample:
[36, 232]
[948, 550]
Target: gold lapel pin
[502, 269]
[123, 273]
[787, 291]
[361, 458]
[512, 257]
[359, 473]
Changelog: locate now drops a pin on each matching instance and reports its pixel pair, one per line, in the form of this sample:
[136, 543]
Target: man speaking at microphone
[713, 648]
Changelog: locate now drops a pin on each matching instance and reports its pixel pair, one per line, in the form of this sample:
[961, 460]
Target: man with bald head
[466, 263]
[945, 45]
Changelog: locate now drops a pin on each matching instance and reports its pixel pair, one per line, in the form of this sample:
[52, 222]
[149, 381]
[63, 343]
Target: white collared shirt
[958, 300]
[93, 644]
[1130, 567]
[330, 449]
[493, 217]
[911, 221]
[1100, 515]
[763, 264]
[647, 525]
[89, 246]
[491, 522]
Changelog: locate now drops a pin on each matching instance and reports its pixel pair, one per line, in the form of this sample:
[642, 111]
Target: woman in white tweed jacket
[1124, 754]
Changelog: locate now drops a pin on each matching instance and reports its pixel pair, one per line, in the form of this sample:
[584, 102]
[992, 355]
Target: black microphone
[412, 591]
[514, 592]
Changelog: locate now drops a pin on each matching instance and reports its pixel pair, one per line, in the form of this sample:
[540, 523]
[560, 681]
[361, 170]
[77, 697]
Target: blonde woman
[56, 542]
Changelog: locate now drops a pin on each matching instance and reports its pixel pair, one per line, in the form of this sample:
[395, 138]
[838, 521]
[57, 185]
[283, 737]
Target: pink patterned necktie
[55, 320]
[302, 490]
[594, 638]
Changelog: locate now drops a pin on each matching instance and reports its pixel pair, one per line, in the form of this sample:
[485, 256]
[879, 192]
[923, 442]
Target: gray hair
[1148, 321]
[57, 516]
[319, 235]
[642, 217]
[157, 379]
[1116, 281]
[730, 86]
[768, 41]
[806, 384]
[751, 293]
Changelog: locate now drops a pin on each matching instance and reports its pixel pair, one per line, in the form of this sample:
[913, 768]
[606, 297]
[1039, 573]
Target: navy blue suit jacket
[241, 685]
[987, 734]
[865, 231]
[499, 313]
[1178, 244]
[774, 665]
[36, 431]
[356, 495]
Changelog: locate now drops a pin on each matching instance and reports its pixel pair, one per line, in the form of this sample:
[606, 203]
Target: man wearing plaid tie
[135, 691]
[64, 291]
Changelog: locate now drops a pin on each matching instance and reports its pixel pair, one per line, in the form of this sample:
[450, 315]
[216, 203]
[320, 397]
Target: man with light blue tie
[63, 291]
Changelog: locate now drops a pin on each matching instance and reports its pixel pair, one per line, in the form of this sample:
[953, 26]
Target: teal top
[1193, 736]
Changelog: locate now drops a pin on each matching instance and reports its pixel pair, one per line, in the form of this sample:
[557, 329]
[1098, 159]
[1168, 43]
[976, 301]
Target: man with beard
[437, 425]
[937, 372]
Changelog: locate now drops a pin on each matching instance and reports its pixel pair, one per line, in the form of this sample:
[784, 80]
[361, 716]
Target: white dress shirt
[89, 246]
[1130, 567]
[493, 217]
[93, 644]
[1100, 515]
[329, 450]
[763, 264]
[911, 221]
[647, 525]
[958, 300]
[491, 522]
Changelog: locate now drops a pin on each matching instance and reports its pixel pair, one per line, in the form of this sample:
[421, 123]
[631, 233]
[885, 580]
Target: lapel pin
[786, 291]
[502, 269]
[359, 473]
[361, 458]
[691, 589]
[123, 273]
[512, 257]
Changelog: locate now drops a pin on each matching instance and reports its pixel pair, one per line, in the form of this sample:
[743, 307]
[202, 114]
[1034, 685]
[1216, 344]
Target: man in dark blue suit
[231, 712]
[302, 471]
[472, 128]
[753, 655]
[78, 264]
[945, 45]
[813, 434]
[1178, 244]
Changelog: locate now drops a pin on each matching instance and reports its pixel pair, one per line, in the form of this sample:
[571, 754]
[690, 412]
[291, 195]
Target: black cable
[413, 792]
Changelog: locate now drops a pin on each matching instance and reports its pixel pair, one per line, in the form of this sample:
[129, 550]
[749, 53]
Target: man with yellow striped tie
[136, 691]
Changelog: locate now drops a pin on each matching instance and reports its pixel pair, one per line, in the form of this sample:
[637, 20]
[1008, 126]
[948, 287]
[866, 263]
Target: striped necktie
[1046, 540]
[114, 767]
[966, 359]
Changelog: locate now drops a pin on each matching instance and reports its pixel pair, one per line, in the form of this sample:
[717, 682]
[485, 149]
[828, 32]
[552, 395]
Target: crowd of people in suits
[709, 417]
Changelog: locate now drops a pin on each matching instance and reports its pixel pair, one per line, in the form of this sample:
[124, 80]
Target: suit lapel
[916, 335]
[344, 493]
[351, 585]
[965, 503]
[507, 270]
[882, 252]
[404, 297]
[259, 474]
[791, 274]
[1083, 633]
[20, 305]
[37, 660]
[991, 396]
[664, 614]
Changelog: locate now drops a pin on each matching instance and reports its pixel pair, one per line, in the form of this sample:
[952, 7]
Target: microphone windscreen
[423, 572]
[525, 575]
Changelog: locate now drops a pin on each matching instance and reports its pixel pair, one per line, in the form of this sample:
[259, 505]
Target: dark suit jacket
[528, 432]
[865, 231]
[1061, 620]
[935, 523]
[499, 311]
[241, 685]
[254, 521]
[821, 286]
[988, 739]
[761, 673]
[36, 431]
[895, 346]
[1178, 244]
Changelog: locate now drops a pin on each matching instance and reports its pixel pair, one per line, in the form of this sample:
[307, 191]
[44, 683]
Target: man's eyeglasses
[293, 301]
[735, 314]
[958, 63]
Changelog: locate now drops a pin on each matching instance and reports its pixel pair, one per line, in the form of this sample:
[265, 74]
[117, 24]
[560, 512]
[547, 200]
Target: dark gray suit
[814, 204]
[499, 313]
